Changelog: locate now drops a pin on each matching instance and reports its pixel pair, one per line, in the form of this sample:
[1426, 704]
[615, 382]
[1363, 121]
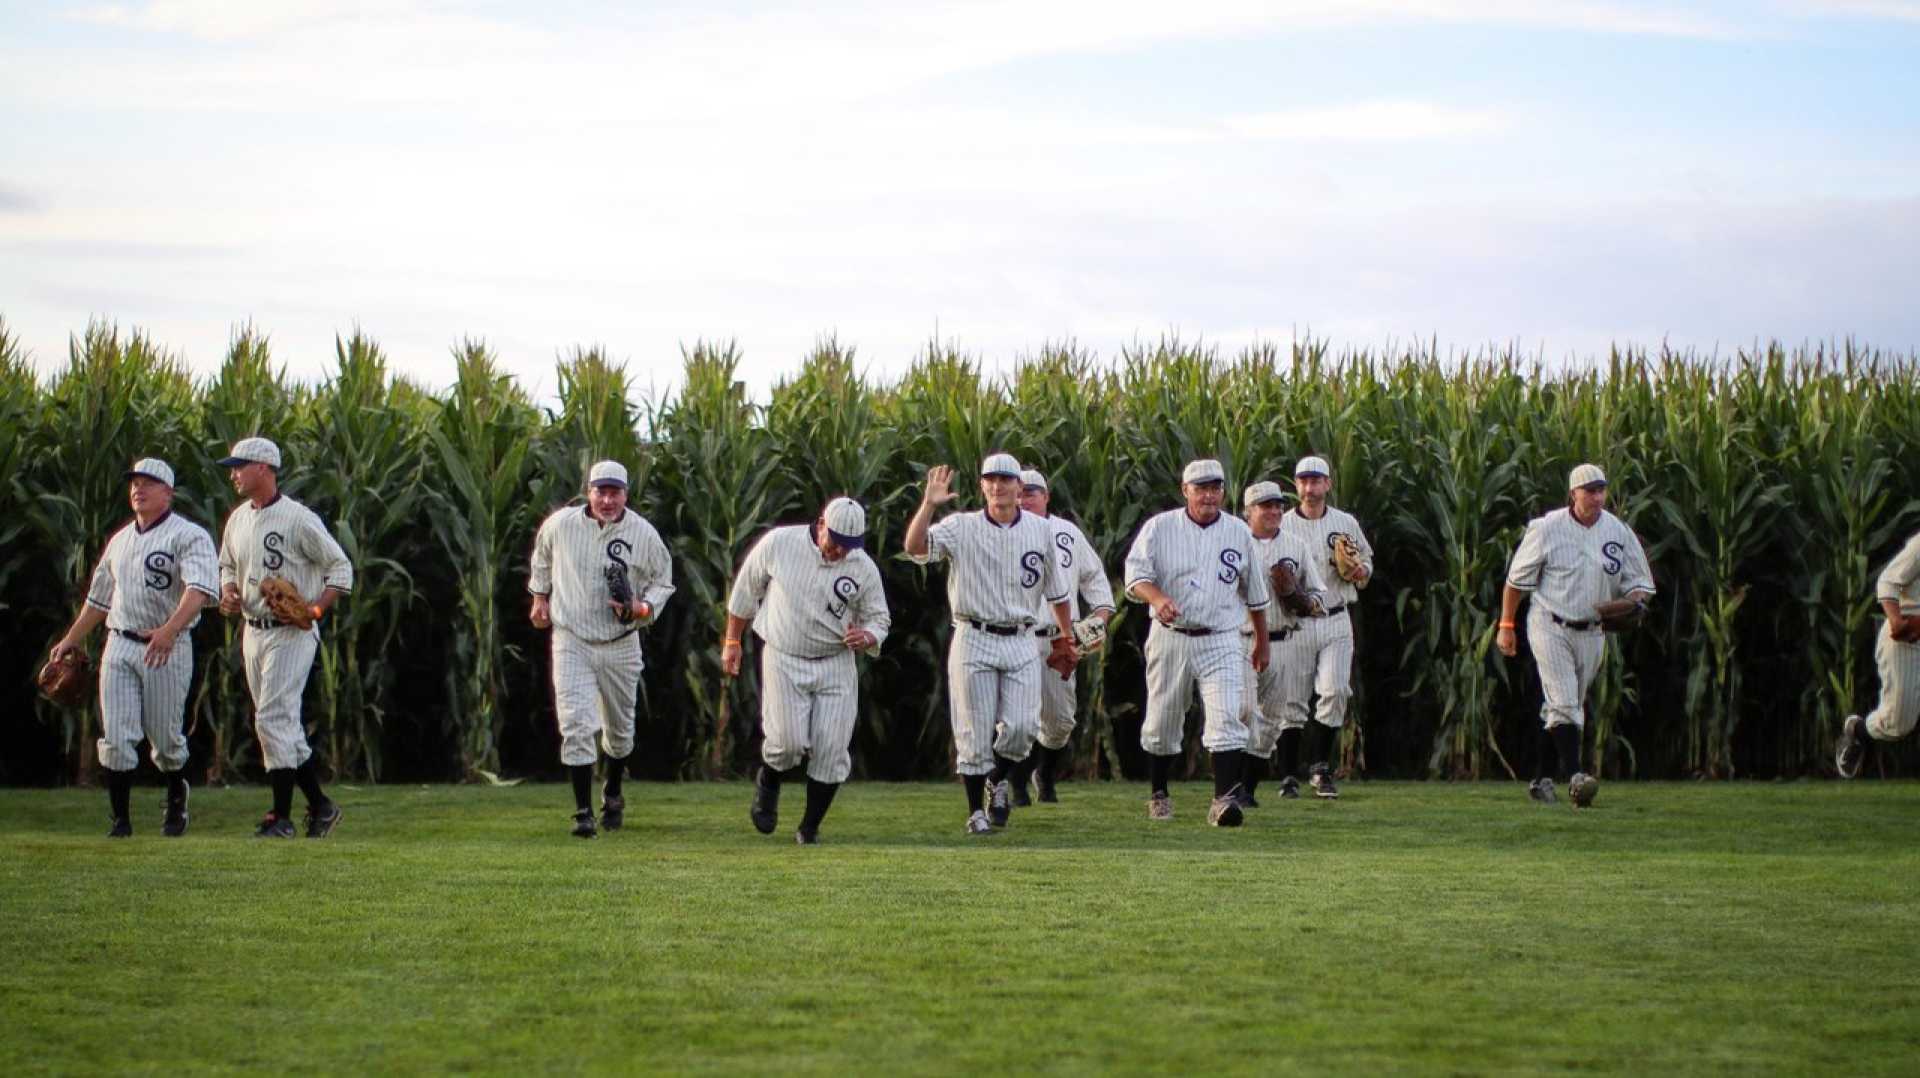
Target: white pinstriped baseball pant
[1316, 661]
[807, 710]
[1177, 662]
[1899, 706]
[1567, 659]
[1057, 701]
[1265, 710]
[993, 696]
[137, 702]
[278, 661]
[595, 689]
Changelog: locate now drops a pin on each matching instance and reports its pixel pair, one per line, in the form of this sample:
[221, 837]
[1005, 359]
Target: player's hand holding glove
[1619, 615]
[621, 591]
[286, 603]
[1906, 630]
[1284, 582]
[1090, 632]
[1346, 560]
[67, 680]
[1063, 658]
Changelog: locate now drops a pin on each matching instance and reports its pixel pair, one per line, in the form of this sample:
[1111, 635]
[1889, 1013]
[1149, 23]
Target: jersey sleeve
[1056, 583]
[1139, 565]
[1365, 545]
[540, 565]
[1523, 572]
[871, 606]
[942, 539]
[655, 568]
[319, 545]
[1635, 573]
[750, 583]
[1094, 586]
[228, 560]
[199, 569]
[1253, 582]
[1900, 573]
[100, 588]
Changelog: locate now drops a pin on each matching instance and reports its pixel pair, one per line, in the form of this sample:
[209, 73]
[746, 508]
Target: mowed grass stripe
[1428, 927]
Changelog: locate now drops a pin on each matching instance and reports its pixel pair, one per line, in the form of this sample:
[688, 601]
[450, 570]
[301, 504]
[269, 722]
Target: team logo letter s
[1030, 570]
[617, 552]
[1611, 553]
[1229, 566]
[844, 589]
[1065, 543]
[273, 559]
[159, 570]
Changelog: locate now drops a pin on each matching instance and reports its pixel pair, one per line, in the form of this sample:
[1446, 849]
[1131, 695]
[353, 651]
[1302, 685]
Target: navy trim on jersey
[988, 515]
[138, 530]
[1208, 524]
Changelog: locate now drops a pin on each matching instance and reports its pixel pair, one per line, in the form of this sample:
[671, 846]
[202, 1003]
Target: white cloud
[1377, 121]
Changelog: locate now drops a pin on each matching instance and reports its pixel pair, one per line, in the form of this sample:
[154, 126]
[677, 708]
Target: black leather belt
[1047, 633]
[1185, 631]
[1332, 610]
[265, 623]
[1280, 634]
[997, 630]
[138, 638]
[1576, 625]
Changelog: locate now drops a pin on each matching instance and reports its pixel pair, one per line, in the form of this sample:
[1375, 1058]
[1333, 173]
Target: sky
[995, 176]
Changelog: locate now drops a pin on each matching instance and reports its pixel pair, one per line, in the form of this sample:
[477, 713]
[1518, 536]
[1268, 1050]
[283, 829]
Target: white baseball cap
[153, 468]
[1586, 475]
[251, 451]
[1000, 464]
[1311, 466]
[1204, 471]
[607, 473]
[846, 523]
[1262, 492]
[1030, 478]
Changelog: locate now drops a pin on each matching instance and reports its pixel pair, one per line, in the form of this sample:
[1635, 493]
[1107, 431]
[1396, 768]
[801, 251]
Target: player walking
[1196, 567]
[1570, 561]
[1897, 653]
[157, 572]
[599, 572]
[1267, 714]
[1318, 660]
[1000, 581]
[270, 535]
[1086, 575]
[813, 597]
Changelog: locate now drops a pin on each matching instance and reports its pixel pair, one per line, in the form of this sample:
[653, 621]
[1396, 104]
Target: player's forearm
[184, 611]
[328, 596]
[85, 622]
[1146, 591]
[1063, 617]
[736, 629]
[1259, 619]
[916, 540]
[1510, 602]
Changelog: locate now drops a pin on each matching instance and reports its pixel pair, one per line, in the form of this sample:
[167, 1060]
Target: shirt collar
[162, 519]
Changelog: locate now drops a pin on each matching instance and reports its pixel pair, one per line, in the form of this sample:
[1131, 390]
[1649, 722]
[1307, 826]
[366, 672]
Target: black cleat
[765, 809]
[1000, 803]
[806, 838]
[322, 818]
[1047, 794]
[1322, 782]
[1541, 790]
[1245, 798]
[1290, 789]
[122, 828]
[583, 824]
[613, 813]
[274, 825]
[174, 824]
[1225, 809]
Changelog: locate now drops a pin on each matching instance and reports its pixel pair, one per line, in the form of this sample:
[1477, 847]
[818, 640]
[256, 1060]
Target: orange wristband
[318, 613]
[1508, 625]
[733, 641]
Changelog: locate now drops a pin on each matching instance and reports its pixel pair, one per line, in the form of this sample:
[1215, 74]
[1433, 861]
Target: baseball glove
[286, 603]
[1619, 615]
[1063, 659]
[67, 681]
[1909, 631]
[1285, 585]
[1582, 788]
[1346, 559]
[620, 590]
[1089, 633]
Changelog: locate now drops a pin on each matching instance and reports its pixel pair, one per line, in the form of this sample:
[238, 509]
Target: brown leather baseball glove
[1346, 558]
[1908, 632]
[67, 681]
[1285, 585]
[289, 607]
[1619, 615]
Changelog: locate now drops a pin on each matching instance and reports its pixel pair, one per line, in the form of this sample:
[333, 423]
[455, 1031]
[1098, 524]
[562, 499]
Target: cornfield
[1768, 487]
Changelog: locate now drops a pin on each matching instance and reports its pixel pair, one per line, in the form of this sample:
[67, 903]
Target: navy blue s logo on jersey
[1030, 568]
[273, 559]
[159, 570]
[1611, 553]
[844, 589]
[1065, 543]
[1230, 566]
[617, 552]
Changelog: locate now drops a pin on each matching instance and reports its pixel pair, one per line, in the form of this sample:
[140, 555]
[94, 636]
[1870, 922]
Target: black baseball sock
[1002, 767]
[1290, 752]
[976, 792]
[582, 787]
[1158, 770]
[309, 779]
[177, 784]
[119, 793]
[1320, 748]
[1545, 756]
[1049, 764]
[1226, 770]
[616, 770]
[819, 799]
[1253, 769]
[1566, 743]
[1023, 771]
[282, 780]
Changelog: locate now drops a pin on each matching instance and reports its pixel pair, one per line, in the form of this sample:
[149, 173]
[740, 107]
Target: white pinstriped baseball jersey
[1897, 580]
[1210, 571]
[803, 604]
[1570, 567]
[285, 539]
[144, 571]
[1318, 535]
[1086, 573]
[998, 574]
[1294, 551]
[570, 554]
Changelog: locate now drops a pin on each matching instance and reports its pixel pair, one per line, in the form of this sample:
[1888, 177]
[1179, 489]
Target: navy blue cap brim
[846, 542]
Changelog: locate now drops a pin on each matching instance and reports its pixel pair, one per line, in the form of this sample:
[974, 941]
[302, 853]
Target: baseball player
[1196, 567]
[1569, 560]
[1001, 579]
[157, 572]
[580, 555]
[1318, 660]
[813, 597]
[1086, 576]
[1897, 654]
[270, 534]
[1266, 706]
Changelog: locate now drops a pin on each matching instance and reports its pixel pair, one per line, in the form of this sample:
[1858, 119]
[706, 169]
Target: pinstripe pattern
[1899, 663]
[570, 554]
[1569, 567]
[139, 582]
[285, 539]
[1267, 693]
[1213, 575]
[1897, 581]
[595, 688]
[1316, 662]
[1318, 535]
[1088, 576]
[997, 575]
[802, 606]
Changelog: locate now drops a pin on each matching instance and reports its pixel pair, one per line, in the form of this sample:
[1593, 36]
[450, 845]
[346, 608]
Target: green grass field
[1413, 926]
